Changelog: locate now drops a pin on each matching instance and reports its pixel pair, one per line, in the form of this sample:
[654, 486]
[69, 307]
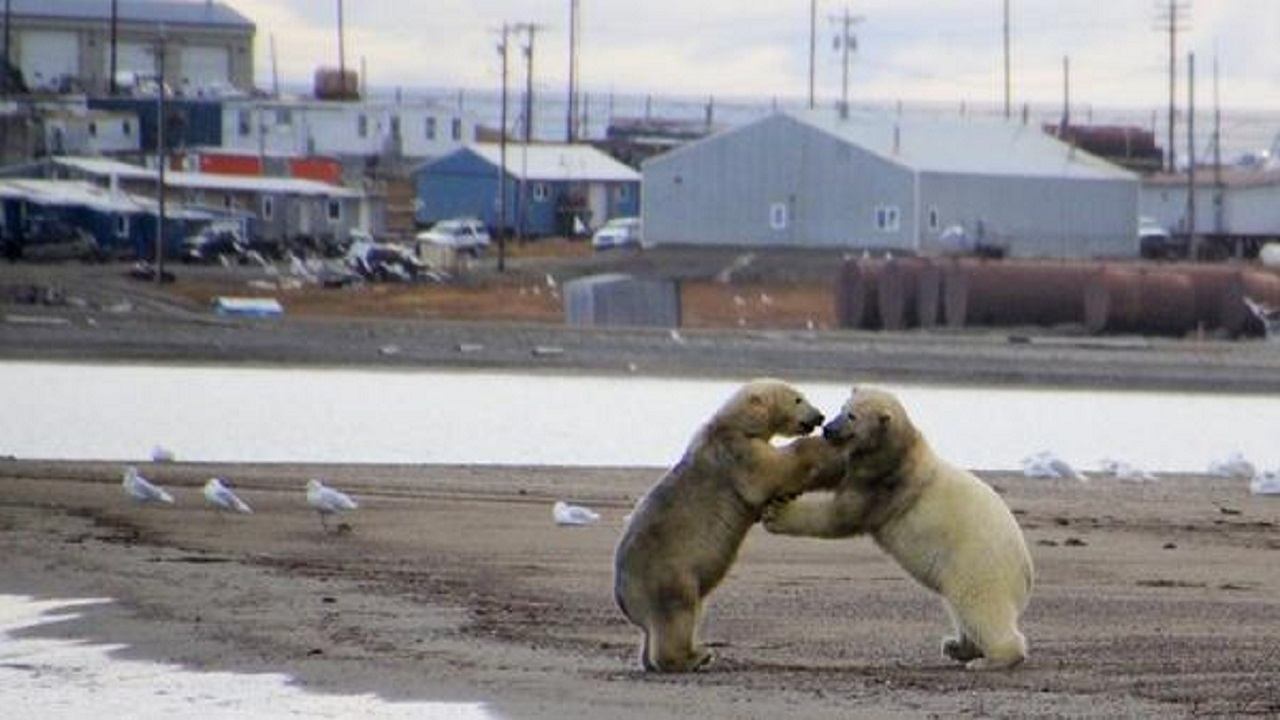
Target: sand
[1155, 599]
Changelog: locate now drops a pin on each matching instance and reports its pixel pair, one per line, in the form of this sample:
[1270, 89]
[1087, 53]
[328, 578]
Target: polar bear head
[872, 421]
[766, 407]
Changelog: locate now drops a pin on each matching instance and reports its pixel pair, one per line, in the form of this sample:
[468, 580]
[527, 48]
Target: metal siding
[829, 187]
[1039, 217]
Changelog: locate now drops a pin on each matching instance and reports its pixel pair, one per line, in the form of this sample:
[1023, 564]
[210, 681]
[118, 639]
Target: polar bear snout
[837, 429]
[810, 421]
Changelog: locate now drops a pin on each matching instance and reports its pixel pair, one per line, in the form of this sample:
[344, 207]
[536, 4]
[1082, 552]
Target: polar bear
[686, 531]
[947, 528]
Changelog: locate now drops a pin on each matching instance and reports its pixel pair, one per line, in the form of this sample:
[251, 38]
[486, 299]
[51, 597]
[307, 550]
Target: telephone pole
[1172, 20]
[813, 44]
[1219, 224]
[502, 156]
[1194, 243]
[571, 119]
[522, 207]
[115, 20]
[1008, 102]
[342, 55]
[1066, 98]
[162, 154]
[845, 42]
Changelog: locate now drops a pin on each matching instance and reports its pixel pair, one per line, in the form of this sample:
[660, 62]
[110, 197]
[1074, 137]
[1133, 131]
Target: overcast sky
[946, 51]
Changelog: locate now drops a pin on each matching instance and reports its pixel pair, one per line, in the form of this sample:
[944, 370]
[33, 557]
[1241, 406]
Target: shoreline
[455, 585]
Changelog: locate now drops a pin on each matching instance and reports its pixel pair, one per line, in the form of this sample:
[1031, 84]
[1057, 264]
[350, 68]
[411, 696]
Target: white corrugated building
[881, 182]
[66, 44]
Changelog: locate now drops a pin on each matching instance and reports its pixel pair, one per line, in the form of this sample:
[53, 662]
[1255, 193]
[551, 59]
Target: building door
[598, 204]
[205, 66]
[48, 56]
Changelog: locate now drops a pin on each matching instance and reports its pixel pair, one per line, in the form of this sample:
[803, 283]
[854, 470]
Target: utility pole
[1066, 98]
[275, 74]
[342, 55]
[1171, 22]
[1219, 221]
[162, 154]
[571, 119]
[115, 20]
[1008, 101]
[1191, 156]
[813, 45]
[8, 22]
[502, 156]
[845, 42]
[522, 196]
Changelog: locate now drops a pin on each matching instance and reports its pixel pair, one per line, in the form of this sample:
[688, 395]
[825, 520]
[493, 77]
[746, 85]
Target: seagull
[141, 491]
[566, 514]
[222, 499]
[327, 501]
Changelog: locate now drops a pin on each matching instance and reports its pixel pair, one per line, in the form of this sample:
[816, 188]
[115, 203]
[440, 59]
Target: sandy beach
[1153, 599]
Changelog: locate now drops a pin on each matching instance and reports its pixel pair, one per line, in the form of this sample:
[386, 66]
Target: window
[624, 191]
[778, 216]
[268, 207]
[456, 128]
[122, 226]
[334, 211]
[244, 122]
[284, 116]
[541, 192]
[93, 129]
[934, 220]
[362, 126]
[888, 218]
[127, 128]
[431, 128]
[228, 202]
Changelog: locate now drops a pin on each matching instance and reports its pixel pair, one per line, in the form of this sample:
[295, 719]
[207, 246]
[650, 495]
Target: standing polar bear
[947, 528]
[686, 531]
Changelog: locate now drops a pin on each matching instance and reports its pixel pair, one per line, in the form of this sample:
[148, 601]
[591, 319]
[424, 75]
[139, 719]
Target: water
[204, 413]
[53, 679]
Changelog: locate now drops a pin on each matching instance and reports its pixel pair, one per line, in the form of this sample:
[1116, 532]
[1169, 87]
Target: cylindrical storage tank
[1003, 293]
[1219, 293]
[1262, 286]
[856, 296]
[1157, 302]
[897, 290]
[929, 295]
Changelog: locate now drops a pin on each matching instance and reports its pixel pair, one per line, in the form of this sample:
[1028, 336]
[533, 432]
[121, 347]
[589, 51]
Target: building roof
[556, 161]
[155, 12]
[1232, 177]
[78, 193]
[101, 167]
[974, 146]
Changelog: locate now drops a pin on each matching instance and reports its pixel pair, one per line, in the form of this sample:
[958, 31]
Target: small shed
[615, 299]
[551, 189]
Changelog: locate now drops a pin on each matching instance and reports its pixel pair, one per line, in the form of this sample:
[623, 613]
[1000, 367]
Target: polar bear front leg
[825, 516]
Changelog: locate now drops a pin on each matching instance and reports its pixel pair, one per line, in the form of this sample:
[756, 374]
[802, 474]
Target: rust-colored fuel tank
[1154, 301]
[1219, 293]
[907, 293]
[1004, 292]
[856, 295]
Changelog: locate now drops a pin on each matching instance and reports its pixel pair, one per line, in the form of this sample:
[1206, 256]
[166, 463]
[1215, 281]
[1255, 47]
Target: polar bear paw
[960, 649]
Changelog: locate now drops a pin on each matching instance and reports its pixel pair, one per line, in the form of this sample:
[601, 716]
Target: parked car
[618, 232]
[467, 235]
[1155, 242]
[53, 240]
[214, 241]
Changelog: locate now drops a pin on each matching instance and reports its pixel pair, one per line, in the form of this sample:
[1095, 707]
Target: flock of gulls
[1047, 465]
[324, 500]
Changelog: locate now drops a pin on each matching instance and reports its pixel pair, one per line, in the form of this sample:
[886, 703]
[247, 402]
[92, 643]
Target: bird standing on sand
[222, 499]
[141, 491]
[327, 501]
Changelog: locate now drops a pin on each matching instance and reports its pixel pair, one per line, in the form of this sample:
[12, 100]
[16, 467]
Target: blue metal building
[565, 187]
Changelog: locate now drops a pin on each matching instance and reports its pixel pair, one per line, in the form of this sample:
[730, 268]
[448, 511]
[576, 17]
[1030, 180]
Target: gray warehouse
[880, 182]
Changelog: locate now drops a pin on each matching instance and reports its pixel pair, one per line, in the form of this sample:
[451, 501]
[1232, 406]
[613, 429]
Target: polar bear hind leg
[669, 637]
[987, 634]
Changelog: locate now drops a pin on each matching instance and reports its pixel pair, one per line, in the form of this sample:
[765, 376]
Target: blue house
[551, 189]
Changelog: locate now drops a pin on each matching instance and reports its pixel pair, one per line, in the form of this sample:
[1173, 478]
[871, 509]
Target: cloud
[908, 49]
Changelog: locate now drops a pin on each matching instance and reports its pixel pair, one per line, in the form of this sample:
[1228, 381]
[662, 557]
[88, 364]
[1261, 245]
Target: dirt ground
[1155, 600]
